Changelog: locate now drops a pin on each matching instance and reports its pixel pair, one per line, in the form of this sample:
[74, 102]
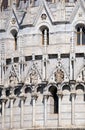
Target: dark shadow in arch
[7, 92]
[28, 90]
[80, 87]
[42, 29]
[17, 91]
[40, 89]
[53, 91]
[14, 34]
[66, 87]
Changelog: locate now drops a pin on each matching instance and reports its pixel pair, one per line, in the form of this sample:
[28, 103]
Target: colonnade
[34, 97]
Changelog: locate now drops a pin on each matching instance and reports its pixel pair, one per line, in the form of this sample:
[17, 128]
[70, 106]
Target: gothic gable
[33, 75]
[81, 75]
[12, 77]
[35, 14]
[59, 74]
[78, 13]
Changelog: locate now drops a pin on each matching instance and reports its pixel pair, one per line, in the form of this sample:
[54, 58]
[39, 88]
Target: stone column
[80, 36]
[73, 94]
[20, 69]
[72, 42]
[3, 112]
[72, 67]
[22, 97]
[45, 56]
[0, 71]
[12, 98]
[73, 107]
[44, 66]
[11, 112]
[59, 108]
[3, 100]
[34, 97]
[45, 40]
[45, 109]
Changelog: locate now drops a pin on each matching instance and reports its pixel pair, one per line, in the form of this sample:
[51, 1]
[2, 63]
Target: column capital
[46, 96]
[34, 96]
[22, 96]
[3, 98]
[73, 93]
[60, 93]
[12, 97]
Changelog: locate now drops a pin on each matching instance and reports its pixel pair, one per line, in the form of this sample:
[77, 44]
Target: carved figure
[12, 80]
[33, 77]
[59, 76]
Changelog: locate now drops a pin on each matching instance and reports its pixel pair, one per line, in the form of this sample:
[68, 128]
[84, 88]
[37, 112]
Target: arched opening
[80, 105]
[54, 102]
[17, 91]
[28, 90]
[45, 35]
[66, 88]
[66, 105]
[80, 30]
[40, 89]
[7, 92]
[79, 89]
[14, 34]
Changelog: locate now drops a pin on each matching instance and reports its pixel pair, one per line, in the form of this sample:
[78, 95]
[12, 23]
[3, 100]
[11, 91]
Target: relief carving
[33, 77]
[59, 76]
[12, 79]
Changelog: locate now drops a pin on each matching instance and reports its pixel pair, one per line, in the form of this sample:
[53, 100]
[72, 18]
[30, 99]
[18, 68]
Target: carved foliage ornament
[13, 21]
[43, 16]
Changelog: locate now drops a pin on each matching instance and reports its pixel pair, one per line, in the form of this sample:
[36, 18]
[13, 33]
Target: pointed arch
[14, 34]
[45, 34]
[52, 88]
